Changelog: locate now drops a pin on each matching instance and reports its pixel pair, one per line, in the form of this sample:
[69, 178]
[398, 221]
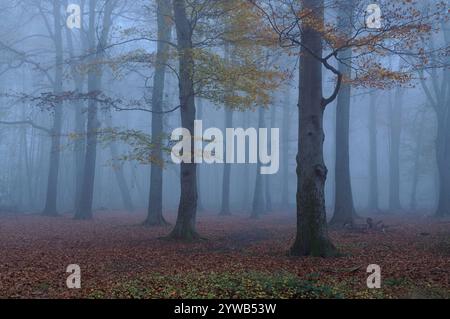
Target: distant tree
[373, 156]
[163, 16]
[437, 91]
[83, 209]
[343, 198]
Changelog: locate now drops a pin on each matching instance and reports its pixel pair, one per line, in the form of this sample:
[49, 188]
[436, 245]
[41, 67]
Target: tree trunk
[154, 212]
[225, 210]
[312, 235]
[286, 172]
[83, 209]
[373, 156]
[80, 119]
[185, 225]
[200, 206]
[245, 202]
[343, 200]
[394, 152]
[78, 149]
[443, 164]
[52, 184]
[118, 171]
[268, 178]
[416, 168]
[258, 194]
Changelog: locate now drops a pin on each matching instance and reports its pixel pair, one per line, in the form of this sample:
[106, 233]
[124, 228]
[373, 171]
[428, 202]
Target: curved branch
[326, 101]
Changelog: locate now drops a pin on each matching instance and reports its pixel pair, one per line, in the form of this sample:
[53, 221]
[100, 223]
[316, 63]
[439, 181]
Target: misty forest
[225, 148]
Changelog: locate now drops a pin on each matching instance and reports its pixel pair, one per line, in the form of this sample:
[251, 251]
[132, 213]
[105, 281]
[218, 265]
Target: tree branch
[31, 123]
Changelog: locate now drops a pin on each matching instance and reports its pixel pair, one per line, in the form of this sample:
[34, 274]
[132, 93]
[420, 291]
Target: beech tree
[301, 25]
[205, 74]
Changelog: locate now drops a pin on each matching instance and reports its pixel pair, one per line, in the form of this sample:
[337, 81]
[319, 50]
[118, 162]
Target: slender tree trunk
[84, 208]
[258, 194]
[154, 212]
[79, 147]
[225, 209]
[185, 225]
[200, 206]
[80, 118]
[246, 173]
[343, 200]
[416, 168]
[50, 208]
[312, 235]
[118, 171]
[286, 130]
[394, 152]
[373, 156]
[269, 178]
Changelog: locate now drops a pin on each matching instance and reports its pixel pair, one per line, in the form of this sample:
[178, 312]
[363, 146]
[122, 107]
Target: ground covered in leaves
[241, 258]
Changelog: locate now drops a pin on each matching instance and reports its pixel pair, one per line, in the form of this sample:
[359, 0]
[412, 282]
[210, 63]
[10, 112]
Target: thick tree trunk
[394, 152]
[52, 183]
[343, 200]
[154, 212]
[185, 225]
[312, 235]
[225, 209]
[373, 156]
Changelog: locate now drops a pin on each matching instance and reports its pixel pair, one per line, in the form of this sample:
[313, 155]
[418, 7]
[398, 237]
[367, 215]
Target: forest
[225, 149]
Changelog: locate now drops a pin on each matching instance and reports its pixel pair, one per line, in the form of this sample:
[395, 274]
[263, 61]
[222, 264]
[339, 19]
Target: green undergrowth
[249, 284]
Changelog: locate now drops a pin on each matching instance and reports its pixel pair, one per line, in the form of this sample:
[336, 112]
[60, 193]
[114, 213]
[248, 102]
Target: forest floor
[241, 258]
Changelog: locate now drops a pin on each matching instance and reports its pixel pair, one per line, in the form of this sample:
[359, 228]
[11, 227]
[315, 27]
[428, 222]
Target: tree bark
[185, 225]
[312, 235]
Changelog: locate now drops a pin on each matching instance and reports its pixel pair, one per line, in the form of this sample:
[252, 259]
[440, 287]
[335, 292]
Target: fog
[27, 66]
